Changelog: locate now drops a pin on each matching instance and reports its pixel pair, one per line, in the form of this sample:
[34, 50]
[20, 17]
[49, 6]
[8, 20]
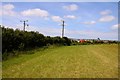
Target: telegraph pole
[24, 24]
[63, 24]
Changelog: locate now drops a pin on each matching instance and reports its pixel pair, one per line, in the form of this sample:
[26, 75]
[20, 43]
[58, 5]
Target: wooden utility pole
[24, 24]
[63, 24]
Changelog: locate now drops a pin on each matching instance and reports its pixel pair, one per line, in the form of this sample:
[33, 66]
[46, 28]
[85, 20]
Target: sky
[83, 20]
[60, 0]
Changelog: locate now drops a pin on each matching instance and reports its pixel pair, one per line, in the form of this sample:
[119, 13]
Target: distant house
[82, 41]
[105, 41]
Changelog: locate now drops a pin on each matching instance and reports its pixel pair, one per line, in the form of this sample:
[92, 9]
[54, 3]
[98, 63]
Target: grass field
[0, 70]
[83, 61]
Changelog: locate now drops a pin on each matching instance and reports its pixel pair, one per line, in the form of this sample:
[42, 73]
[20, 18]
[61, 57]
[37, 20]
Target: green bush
[13, 40]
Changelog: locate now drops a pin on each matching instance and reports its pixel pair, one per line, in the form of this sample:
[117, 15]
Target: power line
[24, 24]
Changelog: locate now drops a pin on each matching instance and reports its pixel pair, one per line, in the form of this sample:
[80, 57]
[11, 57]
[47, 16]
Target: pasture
[81, 61]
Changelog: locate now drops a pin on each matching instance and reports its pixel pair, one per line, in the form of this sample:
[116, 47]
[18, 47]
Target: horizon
[86, 20]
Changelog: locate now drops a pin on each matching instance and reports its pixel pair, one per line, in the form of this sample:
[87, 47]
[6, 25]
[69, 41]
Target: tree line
[18, 40]
[24, 40]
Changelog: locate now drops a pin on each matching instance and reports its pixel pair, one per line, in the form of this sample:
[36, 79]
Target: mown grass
[0, 70]
[82, 61]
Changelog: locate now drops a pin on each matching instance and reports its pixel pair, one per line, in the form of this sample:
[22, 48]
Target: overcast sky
[83, 19]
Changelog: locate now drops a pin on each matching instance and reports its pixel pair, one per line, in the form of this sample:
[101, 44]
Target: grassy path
[85, 61]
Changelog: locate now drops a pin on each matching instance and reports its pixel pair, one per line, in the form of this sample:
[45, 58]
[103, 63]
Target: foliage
[22, 40]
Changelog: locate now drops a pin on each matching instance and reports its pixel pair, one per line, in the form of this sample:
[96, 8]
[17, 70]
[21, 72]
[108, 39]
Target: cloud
[8, 10]
[45, 30]
[20, 27]
[71, 7]
[107, 18]
[80, 34]
[70, 16]
[87, 34]
[8, 7]
[89, 23]
[106, 12]
[56, 18]
[35, 12]
[115, 27]
[0, 10]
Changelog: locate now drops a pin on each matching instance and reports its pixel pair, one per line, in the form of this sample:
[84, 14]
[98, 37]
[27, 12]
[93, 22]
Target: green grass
[83, 61]
[0, 70]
